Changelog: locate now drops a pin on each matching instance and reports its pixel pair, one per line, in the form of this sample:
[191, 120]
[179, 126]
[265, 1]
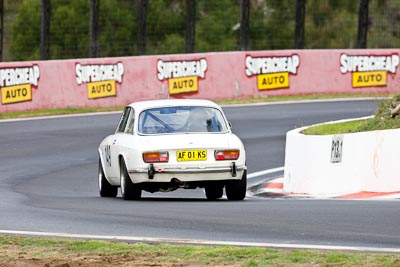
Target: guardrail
[118, 81]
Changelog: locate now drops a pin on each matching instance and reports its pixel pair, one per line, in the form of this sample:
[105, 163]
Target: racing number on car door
[110, 159]
[107, 153]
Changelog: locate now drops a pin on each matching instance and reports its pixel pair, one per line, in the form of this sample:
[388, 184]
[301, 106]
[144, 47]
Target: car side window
[131, 122]
[124, 120]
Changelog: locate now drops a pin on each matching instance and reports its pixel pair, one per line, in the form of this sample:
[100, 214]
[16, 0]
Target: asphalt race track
[48, 183]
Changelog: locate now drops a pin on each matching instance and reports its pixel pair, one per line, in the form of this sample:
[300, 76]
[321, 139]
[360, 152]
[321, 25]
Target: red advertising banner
[226, 75]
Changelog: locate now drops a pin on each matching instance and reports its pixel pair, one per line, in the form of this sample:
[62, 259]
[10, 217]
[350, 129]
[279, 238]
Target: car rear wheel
[105, 188]
[236, 190]
[214, 192]
[129, 190]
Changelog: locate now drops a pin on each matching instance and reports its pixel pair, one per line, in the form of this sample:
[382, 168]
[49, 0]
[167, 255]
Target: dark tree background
[270, 25]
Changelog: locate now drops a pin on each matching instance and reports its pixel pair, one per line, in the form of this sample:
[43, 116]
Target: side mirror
[230, 124]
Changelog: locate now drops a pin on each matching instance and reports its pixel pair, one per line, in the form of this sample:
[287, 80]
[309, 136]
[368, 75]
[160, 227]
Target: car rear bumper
[154, 174]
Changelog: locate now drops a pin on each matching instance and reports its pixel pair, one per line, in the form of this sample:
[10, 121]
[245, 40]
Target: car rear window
[181, 120]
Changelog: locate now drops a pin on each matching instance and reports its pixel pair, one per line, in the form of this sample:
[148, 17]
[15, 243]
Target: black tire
[105, 188]
[236, 190]
[129, 190]
[214, 192]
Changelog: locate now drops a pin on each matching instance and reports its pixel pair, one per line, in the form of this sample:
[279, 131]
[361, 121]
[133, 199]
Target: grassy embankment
[64, 252]
[382, 120]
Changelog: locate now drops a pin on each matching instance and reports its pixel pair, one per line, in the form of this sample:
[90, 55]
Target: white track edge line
[229, 105]
[61, 116]
[202, 242]
[283, 102]
[261, 173]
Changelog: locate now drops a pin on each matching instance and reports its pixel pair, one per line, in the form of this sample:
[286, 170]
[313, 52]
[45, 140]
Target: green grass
[381, 121]
[13, 248]
[297, 97]
[334, 128]
[52, 112]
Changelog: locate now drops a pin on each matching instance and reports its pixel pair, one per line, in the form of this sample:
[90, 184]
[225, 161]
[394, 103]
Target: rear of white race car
[186, 158]
[168, 162]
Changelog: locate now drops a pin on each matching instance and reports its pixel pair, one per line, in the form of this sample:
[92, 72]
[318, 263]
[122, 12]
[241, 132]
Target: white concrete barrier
[342, 164]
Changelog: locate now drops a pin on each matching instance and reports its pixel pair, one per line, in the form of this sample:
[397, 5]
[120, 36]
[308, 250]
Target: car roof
[142, 105]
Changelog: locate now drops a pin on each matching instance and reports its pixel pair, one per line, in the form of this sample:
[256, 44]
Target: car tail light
[151, 157]
[226, 154]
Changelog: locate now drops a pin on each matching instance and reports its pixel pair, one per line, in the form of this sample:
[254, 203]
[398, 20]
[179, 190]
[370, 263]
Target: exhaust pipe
[178, 183]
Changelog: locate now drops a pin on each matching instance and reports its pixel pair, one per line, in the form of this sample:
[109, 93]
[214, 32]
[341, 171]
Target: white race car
[163, 145]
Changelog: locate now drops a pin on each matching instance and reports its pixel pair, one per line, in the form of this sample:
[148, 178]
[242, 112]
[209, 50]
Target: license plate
[191, 155]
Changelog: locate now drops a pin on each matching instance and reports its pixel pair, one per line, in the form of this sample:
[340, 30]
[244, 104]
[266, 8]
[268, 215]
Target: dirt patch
[100, 261]
[27, 252]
